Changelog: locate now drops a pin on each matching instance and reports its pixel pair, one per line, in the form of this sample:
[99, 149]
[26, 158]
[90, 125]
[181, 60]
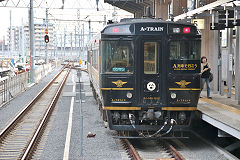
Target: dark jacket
[205, 74]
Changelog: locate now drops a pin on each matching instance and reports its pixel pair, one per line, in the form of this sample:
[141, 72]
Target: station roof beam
[132, 6]
[202, 9]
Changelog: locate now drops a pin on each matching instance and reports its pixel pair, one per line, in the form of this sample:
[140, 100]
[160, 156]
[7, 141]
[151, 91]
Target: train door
[151, 71]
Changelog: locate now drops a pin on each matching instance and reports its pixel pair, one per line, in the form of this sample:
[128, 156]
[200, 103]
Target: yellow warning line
[180, 108]
[122, 108]
[184, 89]
[220, 105]
[233, 91]
[7, 157]
[130, 89]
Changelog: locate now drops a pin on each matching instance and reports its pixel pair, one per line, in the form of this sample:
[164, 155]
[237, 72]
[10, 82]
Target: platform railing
[12, 86]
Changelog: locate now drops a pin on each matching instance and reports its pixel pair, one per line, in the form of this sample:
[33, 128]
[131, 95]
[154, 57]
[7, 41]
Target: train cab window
[117, 57]
[185, 50]
[150, 57]
[90, 57]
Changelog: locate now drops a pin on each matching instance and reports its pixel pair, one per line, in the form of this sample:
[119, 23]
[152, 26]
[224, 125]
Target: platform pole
[83, 36]
[237, 67]
[229, 74]
[64, 43]
[46, 44]
[61, 47]
[71, 44]
[23, 42]
[3, 43]
[215, 62]
[10, 45]
[32, 45]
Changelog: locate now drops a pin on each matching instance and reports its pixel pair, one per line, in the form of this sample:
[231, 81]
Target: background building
[18, 39]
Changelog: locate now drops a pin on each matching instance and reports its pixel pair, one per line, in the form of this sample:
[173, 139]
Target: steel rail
[174, 152]
[132, 150]
[28, 149]
[27, 108]
[43, 123]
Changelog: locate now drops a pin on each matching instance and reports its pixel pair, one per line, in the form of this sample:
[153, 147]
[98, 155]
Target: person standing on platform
[205, 74]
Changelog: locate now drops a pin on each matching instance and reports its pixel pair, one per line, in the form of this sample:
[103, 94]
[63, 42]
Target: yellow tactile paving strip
[223, 106]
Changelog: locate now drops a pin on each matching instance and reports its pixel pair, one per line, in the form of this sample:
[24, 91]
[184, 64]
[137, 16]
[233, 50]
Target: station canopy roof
[131, 6]
[211, 6]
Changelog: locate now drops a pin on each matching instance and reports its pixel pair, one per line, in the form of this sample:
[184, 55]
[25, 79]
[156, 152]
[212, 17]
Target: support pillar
[237, 67]
[229, 74]
[64, 43]
[32, 45]
[46, 44]
[215, 61]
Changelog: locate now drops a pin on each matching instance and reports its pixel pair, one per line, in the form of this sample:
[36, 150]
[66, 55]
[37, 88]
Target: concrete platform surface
[221, 112]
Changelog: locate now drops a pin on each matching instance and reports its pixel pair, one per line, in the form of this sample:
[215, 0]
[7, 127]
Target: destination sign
[150, 28]
[138, 28]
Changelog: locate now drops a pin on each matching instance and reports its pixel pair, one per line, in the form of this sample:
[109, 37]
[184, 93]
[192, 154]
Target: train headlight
[173, 95]
[129, 95]
[176, 30]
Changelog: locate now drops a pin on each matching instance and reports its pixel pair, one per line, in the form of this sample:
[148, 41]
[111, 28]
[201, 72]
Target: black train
[145, 75]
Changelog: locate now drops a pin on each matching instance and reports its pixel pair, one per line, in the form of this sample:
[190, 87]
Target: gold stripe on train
[122, 108]
[184, 89]
[127, 89]
[179, 108]
[163, 108]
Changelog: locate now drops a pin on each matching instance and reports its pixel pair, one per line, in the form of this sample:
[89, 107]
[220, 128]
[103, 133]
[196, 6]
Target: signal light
[46, 30]
[115, 29]
[46, 38]
[186, 30]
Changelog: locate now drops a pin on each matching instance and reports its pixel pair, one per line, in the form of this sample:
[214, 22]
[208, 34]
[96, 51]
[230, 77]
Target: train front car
[150, 81]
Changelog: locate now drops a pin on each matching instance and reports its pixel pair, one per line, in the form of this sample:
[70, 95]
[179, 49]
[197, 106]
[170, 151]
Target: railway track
[145, 149]
[21, 136]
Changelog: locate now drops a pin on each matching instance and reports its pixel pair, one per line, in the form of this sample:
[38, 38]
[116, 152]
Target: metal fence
[12, 86]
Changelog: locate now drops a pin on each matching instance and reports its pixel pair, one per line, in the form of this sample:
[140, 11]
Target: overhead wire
[6, 3]
[101, 4]
[25, 3]
[40, 3]
[55, 8]
[91, 4]
[13, 2]
[72, 20]
[18, 2]
[78, 2]
[51, 4]
[74, 4]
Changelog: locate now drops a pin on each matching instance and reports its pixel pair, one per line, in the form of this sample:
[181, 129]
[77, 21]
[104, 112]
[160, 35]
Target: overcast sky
[88, 10]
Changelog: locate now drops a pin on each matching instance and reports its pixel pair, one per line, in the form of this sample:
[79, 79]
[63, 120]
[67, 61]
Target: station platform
[221, 112]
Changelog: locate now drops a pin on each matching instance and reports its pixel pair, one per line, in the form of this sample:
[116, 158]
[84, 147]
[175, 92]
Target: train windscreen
[185, 50]
[117, 56]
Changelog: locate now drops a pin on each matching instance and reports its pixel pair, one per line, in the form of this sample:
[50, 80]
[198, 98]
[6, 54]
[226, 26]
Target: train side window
[185, 50]
[150, 58]
[95, 59]
[90, 54]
